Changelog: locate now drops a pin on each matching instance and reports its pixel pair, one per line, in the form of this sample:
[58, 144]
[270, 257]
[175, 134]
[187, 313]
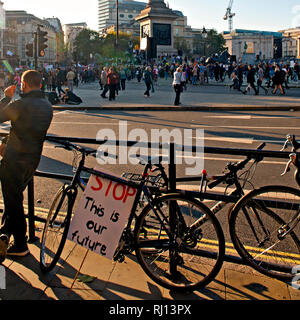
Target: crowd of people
[60, 83]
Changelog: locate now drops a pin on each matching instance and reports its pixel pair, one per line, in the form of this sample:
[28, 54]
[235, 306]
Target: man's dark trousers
[15, 177]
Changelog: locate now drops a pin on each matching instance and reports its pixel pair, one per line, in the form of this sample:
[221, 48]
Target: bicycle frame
[141, 189]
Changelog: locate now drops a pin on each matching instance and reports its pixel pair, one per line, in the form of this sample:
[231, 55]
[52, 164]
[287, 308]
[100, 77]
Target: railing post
[172, 168]
[31, 218]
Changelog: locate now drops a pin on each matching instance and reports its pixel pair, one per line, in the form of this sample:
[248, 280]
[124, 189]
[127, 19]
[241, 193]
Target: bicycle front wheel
[55, 230]
[265, 232]
[173, 254]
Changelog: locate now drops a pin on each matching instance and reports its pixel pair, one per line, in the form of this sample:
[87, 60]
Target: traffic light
[42, 42]
[29, 50]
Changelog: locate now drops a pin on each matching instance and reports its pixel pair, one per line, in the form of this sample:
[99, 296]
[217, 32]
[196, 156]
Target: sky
[268, 15]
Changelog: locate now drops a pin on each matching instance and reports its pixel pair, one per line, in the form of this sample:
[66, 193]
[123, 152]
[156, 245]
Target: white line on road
[90, 123]
[239, 140]
[249, 117]
[244, 127]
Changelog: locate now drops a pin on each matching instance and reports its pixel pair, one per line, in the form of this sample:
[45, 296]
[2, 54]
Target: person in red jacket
[112, 80]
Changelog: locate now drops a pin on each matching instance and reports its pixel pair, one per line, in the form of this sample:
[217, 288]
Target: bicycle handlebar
[290, 138]
[70, 146]
[233, 168]
[294, 159]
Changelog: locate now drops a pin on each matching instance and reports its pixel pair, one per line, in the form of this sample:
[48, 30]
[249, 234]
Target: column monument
[156, 24]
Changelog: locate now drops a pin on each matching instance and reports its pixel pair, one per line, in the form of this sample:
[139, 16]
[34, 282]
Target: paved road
[197, 96]
[232, 129]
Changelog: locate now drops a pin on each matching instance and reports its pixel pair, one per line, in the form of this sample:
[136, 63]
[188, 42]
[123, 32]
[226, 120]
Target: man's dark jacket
[251, 76]
[30, 119]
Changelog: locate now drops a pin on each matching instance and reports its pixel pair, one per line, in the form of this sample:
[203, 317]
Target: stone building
[291, 43]
[71, 31]
[107, 13]
[253, 45]
[56, 24]
[25, 25]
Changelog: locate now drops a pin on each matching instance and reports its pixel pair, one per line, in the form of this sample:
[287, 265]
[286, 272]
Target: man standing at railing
[30, 119]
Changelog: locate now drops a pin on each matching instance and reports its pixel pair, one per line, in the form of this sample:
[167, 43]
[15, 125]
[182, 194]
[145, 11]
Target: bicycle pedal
[119, 258]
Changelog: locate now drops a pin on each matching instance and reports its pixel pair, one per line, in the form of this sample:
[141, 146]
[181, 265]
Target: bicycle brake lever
[287, 168]
[293, 159]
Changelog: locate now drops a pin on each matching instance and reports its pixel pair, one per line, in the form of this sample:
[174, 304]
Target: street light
[117, 26]
[204, 36]
[204, 33]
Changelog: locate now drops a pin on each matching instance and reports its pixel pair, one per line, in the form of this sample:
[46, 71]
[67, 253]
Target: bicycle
[168, 249]
[264, 225]
[229, 178]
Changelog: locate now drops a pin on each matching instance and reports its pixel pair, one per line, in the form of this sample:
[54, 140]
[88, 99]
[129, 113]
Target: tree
[214, 43]
[89, 42]
[86, 43]
[180, 43]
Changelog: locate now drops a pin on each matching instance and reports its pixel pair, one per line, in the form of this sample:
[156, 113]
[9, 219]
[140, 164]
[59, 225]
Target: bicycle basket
[150, 180]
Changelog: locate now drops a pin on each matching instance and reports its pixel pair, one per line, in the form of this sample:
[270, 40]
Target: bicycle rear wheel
[55, 230]
[169, 252]
[257, 226]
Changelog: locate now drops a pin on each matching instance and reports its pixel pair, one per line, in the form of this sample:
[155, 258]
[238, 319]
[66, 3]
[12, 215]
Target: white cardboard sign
[101, 215]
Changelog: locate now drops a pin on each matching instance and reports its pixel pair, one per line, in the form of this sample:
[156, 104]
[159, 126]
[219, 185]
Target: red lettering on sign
[130, 192]
[118, 198]
[100, 185]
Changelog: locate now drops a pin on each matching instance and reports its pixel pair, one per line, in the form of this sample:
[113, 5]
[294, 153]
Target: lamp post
[204, 37]
[117, 22]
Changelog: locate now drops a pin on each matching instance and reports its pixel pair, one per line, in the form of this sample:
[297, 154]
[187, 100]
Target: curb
[181, 108]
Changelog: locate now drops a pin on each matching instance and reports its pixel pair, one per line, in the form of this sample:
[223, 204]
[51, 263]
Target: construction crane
[229, 16]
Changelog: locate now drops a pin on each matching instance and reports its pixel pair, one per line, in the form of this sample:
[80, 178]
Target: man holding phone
[30, 118]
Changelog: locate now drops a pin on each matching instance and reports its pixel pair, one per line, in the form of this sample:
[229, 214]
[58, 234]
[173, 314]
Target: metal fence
[171, 171]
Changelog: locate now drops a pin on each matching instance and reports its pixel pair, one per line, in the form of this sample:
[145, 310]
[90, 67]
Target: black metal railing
[171, 171]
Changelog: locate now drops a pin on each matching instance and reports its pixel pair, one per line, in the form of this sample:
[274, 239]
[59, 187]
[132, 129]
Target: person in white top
[177, 85]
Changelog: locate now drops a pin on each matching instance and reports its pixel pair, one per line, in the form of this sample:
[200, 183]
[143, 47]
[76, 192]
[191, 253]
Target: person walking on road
[104, 82]
[30, 119]
[278, 80]
[123, 79]
[177, 85]
[70, 79]
[148, 81]
[112, 81]
[60, 77]
[260, 75]
[250, 80]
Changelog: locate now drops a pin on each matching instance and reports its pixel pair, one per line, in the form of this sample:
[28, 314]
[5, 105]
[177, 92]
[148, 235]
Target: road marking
[229, 139]
[241, 117]
[90, 123]
[244, 127]
[250, 117]
[239, 140]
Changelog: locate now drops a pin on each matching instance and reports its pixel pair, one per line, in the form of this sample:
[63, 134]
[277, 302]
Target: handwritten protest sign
[101, 215]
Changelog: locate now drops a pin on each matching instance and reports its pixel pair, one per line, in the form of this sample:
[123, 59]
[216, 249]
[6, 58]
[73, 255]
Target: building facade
[291, 43]
[2, 29]
[107, 13]
[71, 31]
[25, 25]
[253, 44]
[56, 24]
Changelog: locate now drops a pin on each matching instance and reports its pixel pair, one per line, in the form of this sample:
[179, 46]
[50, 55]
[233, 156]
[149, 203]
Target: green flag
[8, 66]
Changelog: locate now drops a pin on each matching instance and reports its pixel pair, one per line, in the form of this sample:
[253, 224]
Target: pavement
[114, 281]
[208, 97]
